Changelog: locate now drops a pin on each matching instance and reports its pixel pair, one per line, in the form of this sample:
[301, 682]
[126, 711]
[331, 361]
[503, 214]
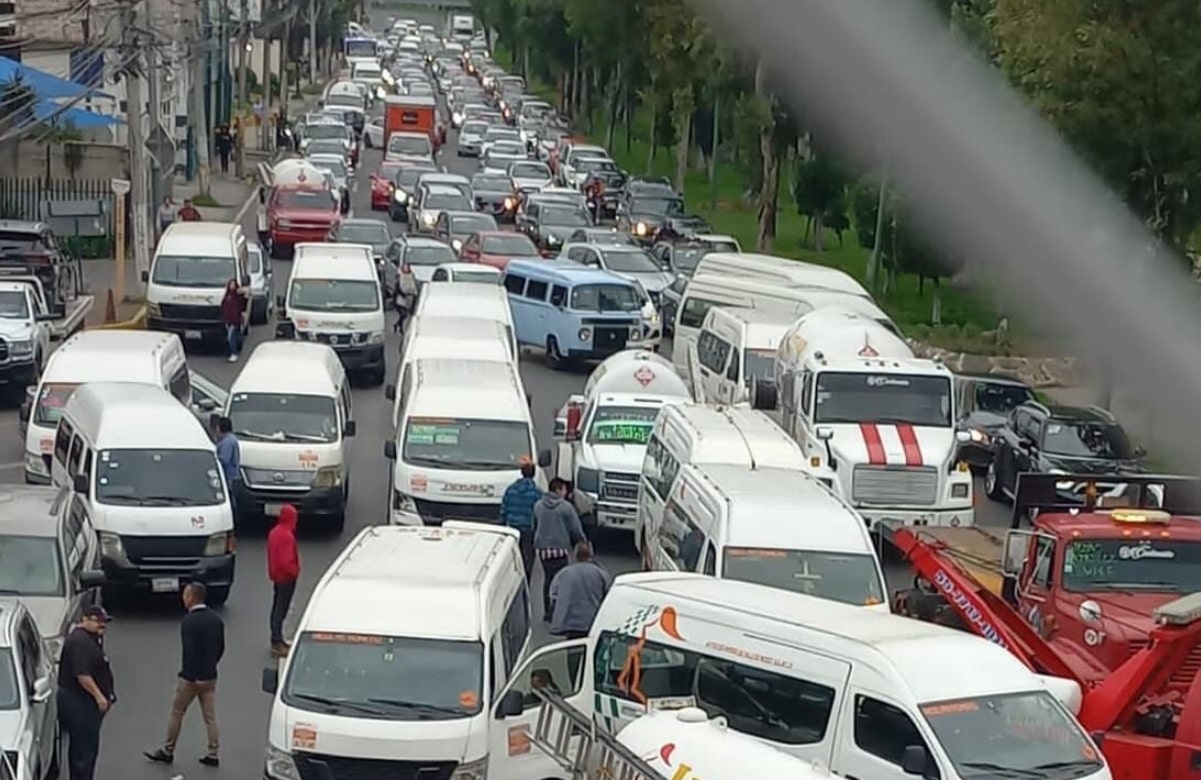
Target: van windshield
[51, 401]
[1014, 734]
[184, 271]
[159, 478]
[848, 578]
[466, 444]
[885, 399]
[605, 298]
[334, 295]
[284, 417]
[385, 677]
[622, 425]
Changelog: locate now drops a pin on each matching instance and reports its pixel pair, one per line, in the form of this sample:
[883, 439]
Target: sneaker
[159, 756]
[210, 761]
[233, 358]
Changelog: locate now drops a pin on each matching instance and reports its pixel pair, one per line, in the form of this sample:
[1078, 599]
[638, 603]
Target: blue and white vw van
[573, 312]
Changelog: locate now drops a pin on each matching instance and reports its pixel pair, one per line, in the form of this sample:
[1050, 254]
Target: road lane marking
[20, 464]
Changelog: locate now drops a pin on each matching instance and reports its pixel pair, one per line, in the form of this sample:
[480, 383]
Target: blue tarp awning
[43, 84]
[79, 118]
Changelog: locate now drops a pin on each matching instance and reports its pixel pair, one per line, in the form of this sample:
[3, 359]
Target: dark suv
[1045, 439]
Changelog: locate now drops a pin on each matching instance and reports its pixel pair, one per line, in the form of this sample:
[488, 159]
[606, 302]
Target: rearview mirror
[42, 689]
[913, 760]
[285, 330]
[270, 681]
[1013, 559]
[390, 450]
[349, 429]
[92, 579]
[279, 301]
[145, 276]
[390, 392]
[511, 704]
[80, 484]
[206, 405]
[544, 459]
[963, 437]
[824, 433]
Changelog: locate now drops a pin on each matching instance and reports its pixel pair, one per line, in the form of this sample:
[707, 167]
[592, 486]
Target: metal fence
[22, 198]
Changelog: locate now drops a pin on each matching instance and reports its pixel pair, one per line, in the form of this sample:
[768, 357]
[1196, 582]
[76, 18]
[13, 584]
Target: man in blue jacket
[517, 512]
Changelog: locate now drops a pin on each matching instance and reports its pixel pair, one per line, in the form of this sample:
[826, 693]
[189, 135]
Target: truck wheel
[992, 482]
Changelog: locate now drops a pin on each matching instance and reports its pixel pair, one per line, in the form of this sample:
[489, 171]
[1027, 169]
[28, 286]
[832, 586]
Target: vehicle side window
[732, 372]
[441, 276]
[559, 671]
[515, 630]
[884, 731]
[806, 391]
[666, 465]
[406, 386]
[761, 703]
[681, 538]
[1044, 552]
[693, 312]
[77, 446]
[536, 290]
[576, 254]
[86, 468]
[712, 352]
[31, 653]
[180, 385]
[514, 284]
[62, 441]
[558, 296]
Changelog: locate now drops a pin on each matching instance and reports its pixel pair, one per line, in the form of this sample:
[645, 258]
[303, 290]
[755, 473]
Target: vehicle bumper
[469, 150]
[187, 329]
[18, 371]
[368, 358]
[299, 235]
[312, 502]
[616, 516]
[216, 571]
[379, 202]
[947, 517]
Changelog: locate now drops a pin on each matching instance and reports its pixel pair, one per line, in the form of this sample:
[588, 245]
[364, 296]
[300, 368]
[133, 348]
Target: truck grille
[314, 766]
[895, 485]
[176, 311]
[165, 554]
[267, 478]
[620, 487]
[435, 512]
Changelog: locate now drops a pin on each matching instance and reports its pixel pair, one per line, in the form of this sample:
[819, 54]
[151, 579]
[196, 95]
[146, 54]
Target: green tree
[1122, 82]
[913, 253]
[819, 187]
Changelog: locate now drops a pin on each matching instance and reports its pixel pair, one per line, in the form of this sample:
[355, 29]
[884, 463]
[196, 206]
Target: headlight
[219, 544]
[35, 465]
[21, 347]
[640, 229]
[457, 118]
[279, 765]
[328, 477]
[553, 240]
[428, 218]
[584, 334]
[110, 546]
[154, 310]
[402, 503]
[456, 244]
[376, 338]
[980, 437]
[960, 490]
[283, 223]
[587, 480]
[401, 196]
[473, 770]
[510, 204]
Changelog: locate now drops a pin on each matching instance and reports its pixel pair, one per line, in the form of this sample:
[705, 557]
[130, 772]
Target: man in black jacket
[203, 638]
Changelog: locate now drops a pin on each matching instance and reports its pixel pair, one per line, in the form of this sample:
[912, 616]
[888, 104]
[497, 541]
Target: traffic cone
[110, 308]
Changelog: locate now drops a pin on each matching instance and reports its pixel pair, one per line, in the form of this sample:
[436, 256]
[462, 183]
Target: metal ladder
[581, 747]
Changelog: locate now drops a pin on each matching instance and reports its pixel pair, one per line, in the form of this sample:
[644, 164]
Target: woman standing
[233, 308]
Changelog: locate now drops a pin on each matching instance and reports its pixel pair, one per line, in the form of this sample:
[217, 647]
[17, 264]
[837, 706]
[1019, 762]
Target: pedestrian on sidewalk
[233, 312]
[189, 212]
[202, 640]
[283, 569]
[557, 530]
[225, 143]
[517, 511]
[576, 594]
[85, 691]
[166, 216]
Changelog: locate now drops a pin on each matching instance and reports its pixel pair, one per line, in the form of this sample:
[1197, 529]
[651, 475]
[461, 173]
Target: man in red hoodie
[283, 567]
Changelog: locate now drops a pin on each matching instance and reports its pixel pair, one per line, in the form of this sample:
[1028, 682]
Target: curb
[136, 322]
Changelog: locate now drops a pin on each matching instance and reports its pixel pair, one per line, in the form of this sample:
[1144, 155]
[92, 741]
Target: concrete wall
[29, 160]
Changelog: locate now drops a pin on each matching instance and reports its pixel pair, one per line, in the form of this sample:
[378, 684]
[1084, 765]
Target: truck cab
[30, 251]
[603, 433]
[24, 330]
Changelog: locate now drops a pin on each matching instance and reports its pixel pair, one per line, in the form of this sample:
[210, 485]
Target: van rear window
[51, 401]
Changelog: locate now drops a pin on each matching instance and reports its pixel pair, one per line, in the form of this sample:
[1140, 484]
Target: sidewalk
[100, 275]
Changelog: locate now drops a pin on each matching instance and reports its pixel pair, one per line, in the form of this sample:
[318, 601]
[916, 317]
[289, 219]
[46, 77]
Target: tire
[992, 482]
[554, 358]
[218, 596]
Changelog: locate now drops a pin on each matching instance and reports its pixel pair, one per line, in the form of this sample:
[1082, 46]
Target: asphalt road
[143, 641]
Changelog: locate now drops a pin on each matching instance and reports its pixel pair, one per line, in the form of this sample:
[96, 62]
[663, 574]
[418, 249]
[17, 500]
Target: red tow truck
[1104, 589]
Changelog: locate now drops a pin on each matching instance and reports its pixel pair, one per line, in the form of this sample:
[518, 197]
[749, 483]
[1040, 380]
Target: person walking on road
[283, 569]
[85, 691]
[576, 594]
[202, 638]
[189, 212]
[517, 512]
[233, 315]
[166, 216]
[229, 455]
[557, 530]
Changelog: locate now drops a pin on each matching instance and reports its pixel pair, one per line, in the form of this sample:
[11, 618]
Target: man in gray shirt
[557, 530]
[576, 594]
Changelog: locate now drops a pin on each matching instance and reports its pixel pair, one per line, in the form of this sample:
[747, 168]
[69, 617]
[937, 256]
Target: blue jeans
[233, 338]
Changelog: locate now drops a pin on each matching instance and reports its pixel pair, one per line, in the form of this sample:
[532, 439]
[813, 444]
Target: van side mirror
[279, 302]
[544, 459]
[914, 759]
[270, 682]
[963, 437]
[825, 434]
[511, 704]
[80, 484]
[206, 405]
[1013, 559]
[43, 689]
[390, 392]
[390, 450]
[350, 428]
[92, 579]
[145, 276]
[285, 330]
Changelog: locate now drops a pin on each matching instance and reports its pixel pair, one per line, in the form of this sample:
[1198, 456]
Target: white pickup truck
[25, 330]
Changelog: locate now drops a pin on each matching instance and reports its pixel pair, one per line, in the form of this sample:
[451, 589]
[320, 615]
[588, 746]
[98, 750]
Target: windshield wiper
[1080, 763]
[256, 436]
[166, 501]
[1004, 771]
[415, 705]
[304, 437]
[337, 703]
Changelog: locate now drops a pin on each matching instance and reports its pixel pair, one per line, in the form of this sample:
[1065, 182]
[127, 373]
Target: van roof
[130, 415]
[466, 328]
[304, 368]
[565, 271]
[198, 239]
[489, 390]
[967, 665]
[96, 355]
[796, 271]
[840, 333]
[437, 593]
[735, 435]
[783, 508]
[764, 327]
[354, 265]
[329, 252]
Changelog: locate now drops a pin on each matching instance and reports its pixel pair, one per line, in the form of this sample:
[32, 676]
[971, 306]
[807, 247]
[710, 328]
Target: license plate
[164, 584]
[191, 334]
[272, 510]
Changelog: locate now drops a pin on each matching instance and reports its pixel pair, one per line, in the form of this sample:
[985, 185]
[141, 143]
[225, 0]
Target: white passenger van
[188, 275]
[145, 357]
[465, 429]
[697, 434]
[774, 527]
[867, 694]
[151, 486]
[466, 338]
[397, 658]
[736, 348]
[291, 411]
[333, 297]
[482, 301]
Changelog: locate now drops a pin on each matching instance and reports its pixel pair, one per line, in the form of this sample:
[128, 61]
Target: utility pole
[200, 133]
[285, 55]
[133, 70]
[154, 101]
[226, 83]
[312, 41]
[243, 42]
[265, 141]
